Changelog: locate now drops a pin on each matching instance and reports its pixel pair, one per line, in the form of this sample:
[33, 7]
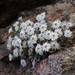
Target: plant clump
[30, 39]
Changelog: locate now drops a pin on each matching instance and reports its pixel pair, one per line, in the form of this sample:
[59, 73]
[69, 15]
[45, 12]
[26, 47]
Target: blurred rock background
[9, 9]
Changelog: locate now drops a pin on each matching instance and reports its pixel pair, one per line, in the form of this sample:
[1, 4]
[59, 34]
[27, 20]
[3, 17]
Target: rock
[10, 9]
[3, 53]
[57, 63]
[3, 50]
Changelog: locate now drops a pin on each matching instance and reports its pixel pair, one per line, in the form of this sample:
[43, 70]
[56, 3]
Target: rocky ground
[64, 60]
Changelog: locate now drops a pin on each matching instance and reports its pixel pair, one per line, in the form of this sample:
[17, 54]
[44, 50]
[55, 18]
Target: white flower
[9, 46]
[54, 36]
[10, 57]
[29, 22]
[38, 49]
[70, 24]
[59, 32]
[46, 47]
[10, 30]
[65, 25]
[24, 44]
[18, 42]
[16, 37]
[23, 62]
[30, 30]
[23, 25]
[41, 16]
[55, 45]
[30, 45]
[16, 28]
[48, 35]
[56, 24]
[43, 28]
[30, 50]
[33, 39]
[10, 40]
[20, 18]
[42, 22]
[20, 50]
[15, 52]
[36, 25]
[14, 43]
[16, 23]
[9, 43]
[67, 33]
[41, 36]
[22, 34]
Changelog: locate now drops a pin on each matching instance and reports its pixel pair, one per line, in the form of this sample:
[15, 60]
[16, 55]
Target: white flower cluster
[40, 36]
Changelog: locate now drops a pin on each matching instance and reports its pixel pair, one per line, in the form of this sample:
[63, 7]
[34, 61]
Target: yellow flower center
[32, 38]
[41, 35]
[54, 45]
[64, 26]
[38, 48]
[43, 27]
[55, 24]
[48, 34]
[45, 46]
[57, 32]
[53, 35]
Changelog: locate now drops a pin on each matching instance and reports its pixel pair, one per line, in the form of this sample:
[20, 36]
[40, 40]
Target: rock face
[57, 63]
[9, 9]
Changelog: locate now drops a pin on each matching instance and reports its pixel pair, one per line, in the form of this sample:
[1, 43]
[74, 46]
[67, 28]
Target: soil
[7, 68]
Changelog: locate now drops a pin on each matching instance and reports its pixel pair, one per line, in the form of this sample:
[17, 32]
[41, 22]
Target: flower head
[41, 36]
[54, 36]
[46, 47]
[10, 57]
[23, 62]
[15, 52]
[9, 46]
[22, 34]
[16, 28]
[56, 24]
[10, 30]
[48, 35]
[40, 17]
[67, 33]
[38, 49]
[42, 22]
[36, 25]
[29, 22]
[65, 25]
[33, 39]
[16, 23]
[59, 32]
[70, 24]
[18, 42]
[30, 44]
[55, 45]
[23, 25]
[30, 30]
[43, 28]
[24, 44]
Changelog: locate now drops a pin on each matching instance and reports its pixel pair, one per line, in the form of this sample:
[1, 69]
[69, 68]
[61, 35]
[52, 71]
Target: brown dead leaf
[6, 36]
